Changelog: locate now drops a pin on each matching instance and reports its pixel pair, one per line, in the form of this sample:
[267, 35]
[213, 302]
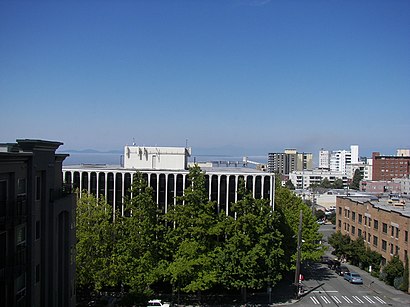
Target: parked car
[341, 270]
[333, 264]
[324, 259]
[353, 278]
[157, 303]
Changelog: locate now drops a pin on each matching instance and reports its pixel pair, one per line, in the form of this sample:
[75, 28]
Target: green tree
[288, 206]
[252, 256]
[289, 184]
[355, 184]
[341, 244]
[95, 244]
[394, 268]
[338, 184]
[192, 237]
[139, 241]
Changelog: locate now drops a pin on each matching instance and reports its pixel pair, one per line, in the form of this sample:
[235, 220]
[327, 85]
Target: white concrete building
[165, 158]
[324, 159]
[304, 179]
[338, 160]
[168, 182]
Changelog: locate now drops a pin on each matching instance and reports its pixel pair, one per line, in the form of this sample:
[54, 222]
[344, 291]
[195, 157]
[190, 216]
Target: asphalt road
[323, 287]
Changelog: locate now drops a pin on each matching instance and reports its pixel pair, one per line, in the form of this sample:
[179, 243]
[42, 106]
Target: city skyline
[235, 77]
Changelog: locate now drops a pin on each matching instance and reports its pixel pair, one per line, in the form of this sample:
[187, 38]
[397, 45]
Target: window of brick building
[384, 228]
[376, 224]
[353, 230]
[406, 236]
[359, 232]
[353, 216]
[360, 218]
[397, 232]
[384, 245]
[375, 240]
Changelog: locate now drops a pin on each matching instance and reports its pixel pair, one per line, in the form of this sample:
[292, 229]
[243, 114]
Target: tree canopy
[193, 247]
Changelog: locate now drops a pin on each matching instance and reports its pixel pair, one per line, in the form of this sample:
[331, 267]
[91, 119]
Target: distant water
[76, 158]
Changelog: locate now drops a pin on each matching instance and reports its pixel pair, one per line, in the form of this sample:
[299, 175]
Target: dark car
[333, 264]
[341, 270]
[324, 259]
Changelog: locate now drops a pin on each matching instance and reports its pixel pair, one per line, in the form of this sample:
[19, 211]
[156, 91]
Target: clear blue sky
[231, 76]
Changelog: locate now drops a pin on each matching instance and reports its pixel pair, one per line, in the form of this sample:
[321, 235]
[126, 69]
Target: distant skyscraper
[339, 159]
[324, 159]
[289, 161]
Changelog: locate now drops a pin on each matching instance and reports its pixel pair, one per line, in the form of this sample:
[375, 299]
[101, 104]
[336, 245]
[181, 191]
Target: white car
[157, 303]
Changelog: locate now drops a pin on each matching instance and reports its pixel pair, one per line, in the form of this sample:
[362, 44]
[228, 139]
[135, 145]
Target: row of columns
[69, 177]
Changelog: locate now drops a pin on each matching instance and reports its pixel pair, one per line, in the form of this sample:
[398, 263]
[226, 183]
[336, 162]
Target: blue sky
[243, 77]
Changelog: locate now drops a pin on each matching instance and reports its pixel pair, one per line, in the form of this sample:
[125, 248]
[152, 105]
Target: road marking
[314, 300]
[368, 299]
[379, 299]
[324, 291]
[347, 299]
[327, 301]
[336, 299]
[358, 299]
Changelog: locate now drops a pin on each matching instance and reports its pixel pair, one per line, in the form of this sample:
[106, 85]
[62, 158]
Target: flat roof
[385, 204]
[213, 170]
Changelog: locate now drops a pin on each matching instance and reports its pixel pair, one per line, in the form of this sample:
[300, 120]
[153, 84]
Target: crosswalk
[343, 299]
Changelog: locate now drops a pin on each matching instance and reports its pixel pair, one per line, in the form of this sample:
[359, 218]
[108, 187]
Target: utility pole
[297, 271]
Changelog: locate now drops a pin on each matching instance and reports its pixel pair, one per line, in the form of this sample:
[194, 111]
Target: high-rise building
[339, 159]
[37, 232]
[288, 161]
[324, 159]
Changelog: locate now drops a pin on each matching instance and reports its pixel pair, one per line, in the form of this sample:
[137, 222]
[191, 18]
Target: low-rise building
[166, 171]
[304, 179]
[383, 224]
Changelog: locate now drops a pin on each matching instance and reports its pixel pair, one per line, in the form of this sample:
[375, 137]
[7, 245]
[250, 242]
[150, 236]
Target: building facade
[304, 179]
[384, 225]
[389, 167]
[289, 161]
[37, 227]
[114, 182]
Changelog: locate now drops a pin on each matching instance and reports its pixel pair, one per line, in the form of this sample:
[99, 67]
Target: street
[325, 288]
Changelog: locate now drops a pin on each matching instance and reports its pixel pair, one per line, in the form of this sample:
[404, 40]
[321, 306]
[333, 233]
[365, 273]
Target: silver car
[353, 278]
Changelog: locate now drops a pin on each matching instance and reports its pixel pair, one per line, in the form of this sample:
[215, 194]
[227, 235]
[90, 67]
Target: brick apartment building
[389, 167]
[37, 229]
[383, 224]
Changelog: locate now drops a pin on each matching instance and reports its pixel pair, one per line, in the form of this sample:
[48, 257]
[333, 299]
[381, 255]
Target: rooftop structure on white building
[166, 170]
